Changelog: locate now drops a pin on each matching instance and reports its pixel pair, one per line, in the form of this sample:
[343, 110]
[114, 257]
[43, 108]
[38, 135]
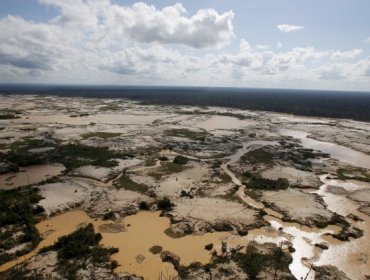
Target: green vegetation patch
[253, 261]
[8, 117]
[187, 133]
[19, 154]
[355, 174]
[70, 155]
[111, 107]
[165, 204]
[18, 216]
[261, 155]
[126, 183]
[226, 114]
[167, 168]
[267, 184]
[102, 135]
[274, 261]
[80, 248]
[180, 160]
[77, 155]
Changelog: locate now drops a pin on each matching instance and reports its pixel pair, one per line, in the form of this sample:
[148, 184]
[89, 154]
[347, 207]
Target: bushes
[268, 184]
[253, 261]
[155, 250]
[165, 204]
[79, 248]
[180, 160]
[143, 205]
[17, 214]
[70, 155]
[125, 182]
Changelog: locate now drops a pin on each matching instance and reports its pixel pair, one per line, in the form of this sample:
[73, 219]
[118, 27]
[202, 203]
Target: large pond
[30, 175]
[99, 119]
[336, 151]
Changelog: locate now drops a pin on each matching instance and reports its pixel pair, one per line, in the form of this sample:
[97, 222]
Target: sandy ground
[61, 196]
[293, 175]
[209, 213]
[211, 209]
[297, 205]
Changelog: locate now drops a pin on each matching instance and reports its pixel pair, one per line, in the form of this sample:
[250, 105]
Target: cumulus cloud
[146, 24]
[97, 41]
[346, 54]
[31, 45]
[286, 28]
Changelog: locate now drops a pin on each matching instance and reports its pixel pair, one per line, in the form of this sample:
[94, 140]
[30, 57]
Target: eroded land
[109, 188]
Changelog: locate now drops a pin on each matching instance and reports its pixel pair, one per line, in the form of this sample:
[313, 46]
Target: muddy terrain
[179, 192]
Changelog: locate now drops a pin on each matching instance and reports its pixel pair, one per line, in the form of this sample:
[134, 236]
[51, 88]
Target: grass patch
[186, 133]
[102, 135]
[225, 179]
[170, 167]
[167, 168]
[252, 193]
[18, 214]
[126, 183]
[226, 114]
[260, 155]
[361, 175]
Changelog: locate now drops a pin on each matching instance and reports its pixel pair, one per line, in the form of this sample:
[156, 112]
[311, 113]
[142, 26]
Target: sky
[305, 44]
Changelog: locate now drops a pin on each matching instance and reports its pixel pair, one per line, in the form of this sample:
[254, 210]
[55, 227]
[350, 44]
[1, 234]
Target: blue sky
[245, 43]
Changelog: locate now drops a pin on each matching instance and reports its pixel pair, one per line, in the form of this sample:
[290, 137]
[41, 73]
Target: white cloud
[332, 73]
[262, 47]
[92, 41]
[145, 23]
[289, 28]
[367, 41]
[346, 54]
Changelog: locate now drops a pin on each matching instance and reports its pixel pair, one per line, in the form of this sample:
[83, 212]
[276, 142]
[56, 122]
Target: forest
[332, 104]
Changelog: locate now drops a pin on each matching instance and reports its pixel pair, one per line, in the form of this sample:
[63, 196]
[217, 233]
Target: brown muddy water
[30, 175]
[142, 231]
[339, 152]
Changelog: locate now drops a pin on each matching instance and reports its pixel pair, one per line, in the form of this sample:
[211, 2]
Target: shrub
[155, 250]
[143, 205]
[165, 204]
[180, 160]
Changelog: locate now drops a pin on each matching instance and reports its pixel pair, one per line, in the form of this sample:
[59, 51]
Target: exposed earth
[179, 192]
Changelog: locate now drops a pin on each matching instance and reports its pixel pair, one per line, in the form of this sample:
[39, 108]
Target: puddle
[99, 119]
[30, 175]
[224, 122]
[303, 239]
[354, 255]
[336, 151]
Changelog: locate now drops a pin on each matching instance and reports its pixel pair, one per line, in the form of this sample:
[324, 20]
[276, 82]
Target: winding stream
[354, 254]
[134, 241]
